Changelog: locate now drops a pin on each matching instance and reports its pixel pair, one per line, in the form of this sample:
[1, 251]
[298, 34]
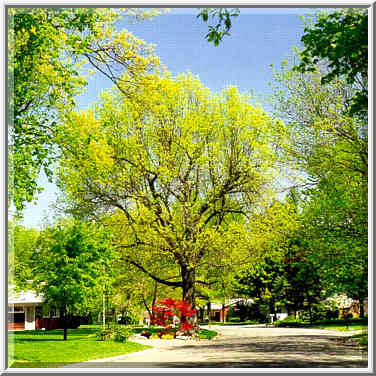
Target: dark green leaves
[341, 39]
[223, 25]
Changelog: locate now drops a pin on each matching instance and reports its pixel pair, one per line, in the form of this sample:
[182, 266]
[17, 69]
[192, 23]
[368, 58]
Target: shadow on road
[224, 364]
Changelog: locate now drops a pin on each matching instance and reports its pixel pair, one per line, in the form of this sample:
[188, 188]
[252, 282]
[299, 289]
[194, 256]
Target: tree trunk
[63, 317]
[188, 279]
[155, 294]
[361, 308]
[209, 311]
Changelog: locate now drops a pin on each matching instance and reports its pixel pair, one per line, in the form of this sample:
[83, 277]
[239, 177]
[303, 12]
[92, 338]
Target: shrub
[234, 319]
[174, 316]
[127, 319]
[146, 333]
[289, 321]
[119, 334]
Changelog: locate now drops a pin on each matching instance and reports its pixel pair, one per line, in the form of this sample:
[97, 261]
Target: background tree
[50, 54]
[73, 266]
[178, 167]
[340, 40]
[329, 149]
[22, 245]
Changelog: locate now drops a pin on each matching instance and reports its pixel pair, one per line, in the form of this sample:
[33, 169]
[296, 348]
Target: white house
[21, 309]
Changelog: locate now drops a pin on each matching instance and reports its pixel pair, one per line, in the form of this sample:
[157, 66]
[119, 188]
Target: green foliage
[116, 333]
[73, 264]
[329, 150]
[223, 25]
[340, 39]
[289, 322]
[22, 245]
[128, 319]
[50, 53]
[207, 334]
[178, 188]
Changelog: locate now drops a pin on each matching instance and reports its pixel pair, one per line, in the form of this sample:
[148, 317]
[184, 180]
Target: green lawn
[48, 349]
[247, 322]
[338, 324]
[363, 339]
[339, 327]
[207, 334]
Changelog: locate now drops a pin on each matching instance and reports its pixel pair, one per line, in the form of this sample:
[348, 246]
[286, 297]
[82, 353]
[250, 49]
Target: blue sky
[259, 37]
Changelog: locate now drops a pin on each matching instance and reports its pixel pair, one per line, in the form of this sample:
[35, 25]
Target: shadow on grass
[56, 335]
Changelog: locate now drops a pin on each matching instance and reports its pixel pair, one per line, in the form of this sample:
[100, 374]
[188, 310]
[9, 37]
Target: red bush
[164, 311]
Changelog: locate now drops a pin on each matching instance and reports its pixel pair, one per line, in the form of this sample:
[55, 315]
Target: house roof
[28, 296]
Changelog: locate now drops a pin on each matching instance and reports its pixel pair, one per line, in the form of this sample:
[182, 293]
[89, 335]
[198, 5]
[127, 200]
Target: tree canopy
[50, 54]
[73, 267]
[178, 168]
[340, 40]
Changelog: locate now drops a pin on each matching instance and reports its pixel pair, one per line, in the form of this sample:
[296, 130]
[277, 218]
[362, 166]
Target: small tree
[71, 263]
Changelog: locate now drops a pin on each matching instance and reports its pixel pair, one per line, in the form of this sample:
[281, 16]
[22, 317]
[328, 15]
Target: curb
[110, 359]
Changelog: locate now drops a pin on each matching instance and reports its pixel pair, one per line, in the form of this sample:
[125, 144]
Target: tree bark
[63, 317]
[361, 308]
[188, 281]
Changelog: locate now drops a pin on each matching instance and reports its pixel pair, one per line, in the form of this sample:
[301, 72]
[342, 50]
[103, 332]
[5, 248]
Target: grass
[207, 334]
[363, 339]
[247, 322]
[340, 325]
[43, 349]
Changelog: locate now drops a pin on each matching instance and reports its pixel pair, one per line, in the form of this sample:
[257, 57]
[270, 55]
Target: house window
[17, 309]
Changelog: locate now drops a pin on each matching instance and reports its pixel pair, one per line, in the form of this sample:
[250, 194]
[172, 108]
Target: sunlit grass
[48, 349]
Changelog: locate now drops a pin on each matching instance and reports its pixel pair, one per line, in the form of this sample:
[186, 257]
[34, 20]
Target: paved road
[246, 347]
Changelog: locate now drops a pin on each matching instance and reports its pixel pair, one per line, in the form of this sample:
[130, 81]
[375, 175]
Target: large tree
[177, 167]
[51, 51]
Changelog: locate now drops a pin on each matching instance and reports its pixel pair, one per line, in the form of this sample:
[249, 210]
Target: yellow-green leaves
[180, 166]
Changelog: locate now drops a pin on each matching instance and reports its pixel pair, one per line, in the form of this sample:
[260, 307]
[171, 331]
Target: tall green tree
[51, 51]
[73, 267]
[329, 148]
[178, 167]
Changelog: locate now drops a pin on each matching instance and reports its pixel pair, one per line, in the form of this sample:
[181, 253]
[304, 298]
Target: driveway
[245, 347]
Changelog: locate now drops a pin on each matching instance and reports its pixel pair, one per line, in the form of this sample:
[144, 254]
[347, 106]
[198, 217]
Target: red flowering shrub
[174, 315]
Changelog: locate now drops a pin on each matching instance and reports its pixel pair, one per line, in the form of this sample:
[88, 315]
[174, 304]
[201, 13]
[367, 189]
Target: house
[219, 312]
[344, 305]
[26, 311]
[22, 307]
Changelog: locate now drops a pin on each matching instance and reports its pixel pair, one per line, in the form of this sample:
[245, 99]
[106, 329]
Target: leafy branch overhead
[340, 39]
[50, 53]
[220, 29]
